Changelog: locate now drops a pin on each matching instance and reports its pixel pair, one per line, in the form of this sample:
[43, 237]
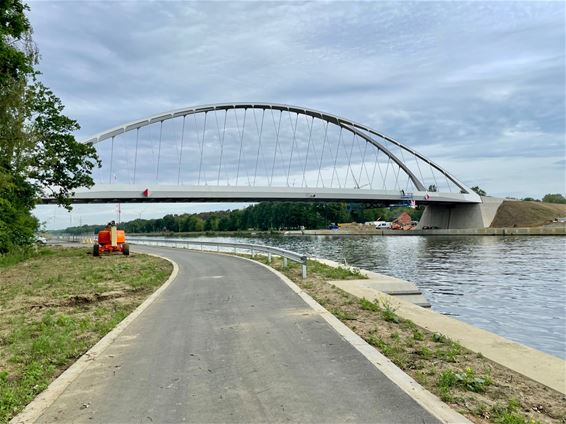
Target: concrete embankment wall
[534, 364]
[548, 230]
[461, 216]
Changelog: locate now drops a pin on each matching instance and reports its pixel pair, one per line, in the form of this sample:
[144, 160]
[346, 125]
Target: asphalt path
[228, 341]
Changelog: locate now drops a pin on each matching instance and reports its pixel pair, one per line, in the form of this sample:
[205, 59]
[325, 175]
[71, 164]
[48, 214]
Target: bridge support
[460, 216]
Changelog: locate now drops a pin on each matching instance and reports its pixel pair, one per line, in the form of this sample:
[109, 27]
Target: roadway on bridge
[228, 341]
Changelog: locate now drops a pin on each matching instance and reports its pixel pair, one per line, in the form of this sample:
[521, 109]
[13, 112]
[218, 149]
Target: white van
[382, 225]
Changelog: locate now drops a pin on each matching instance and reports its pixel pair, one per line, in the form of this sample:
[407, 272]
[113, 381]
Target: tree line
[263, 216]
[38, 152]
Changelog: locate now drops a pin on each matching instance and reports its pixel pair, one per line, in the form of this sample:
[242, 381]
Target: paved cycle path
[228, 341]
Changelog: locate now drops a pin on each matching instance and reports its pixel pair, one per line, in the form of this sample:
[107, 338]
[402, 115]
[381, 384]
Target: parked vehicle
[382, 225]
[40, 240]
[111, 240]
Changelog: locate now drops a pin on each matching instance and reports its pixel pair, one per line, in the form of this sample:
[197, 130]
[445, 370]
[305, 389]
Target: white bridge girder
[127, 193]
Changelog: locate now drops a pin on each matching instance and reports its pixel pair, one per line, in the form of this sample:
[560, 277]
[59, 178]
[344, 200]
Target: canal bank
[538, 366]
[547, 230]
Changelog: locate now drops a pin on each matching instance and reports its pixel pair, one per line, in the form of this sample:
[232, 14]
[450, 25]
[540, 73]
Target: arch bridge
[261, 151]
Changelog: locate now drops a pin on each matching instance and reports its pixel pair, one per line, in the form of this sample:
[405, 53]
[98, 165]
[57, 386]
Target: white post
[304, 271]
[269, 257]
[284, 261]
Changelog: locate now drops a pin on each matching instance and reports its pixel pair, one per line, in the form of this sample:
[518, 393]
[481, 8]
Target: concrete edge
[531, 363]
[423, 397]
[42, 401]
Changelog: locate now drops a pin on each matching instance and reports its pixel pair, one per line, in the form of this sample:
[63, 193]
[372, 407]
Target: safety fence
[227, 247]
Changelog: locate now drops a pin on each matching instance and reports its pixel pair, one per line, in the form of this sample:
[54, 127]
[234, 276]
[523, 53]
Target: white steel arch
[364, 132]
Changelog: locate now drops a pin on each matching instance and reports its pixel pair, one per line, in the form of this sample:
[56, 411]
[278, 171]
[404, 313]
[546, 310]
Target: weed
[343, 316]
[470, 381]
[388, 311]
[509, 414]
[439, 338]
[425, 352]
[331, 273]
[369, 305]
[418, 335]
[451, 353]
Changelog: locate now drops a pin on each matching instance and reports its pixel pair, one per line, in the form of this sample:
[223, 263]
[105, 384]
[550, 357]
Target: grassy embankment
[527, 214]
[478, 388]
[55, 304]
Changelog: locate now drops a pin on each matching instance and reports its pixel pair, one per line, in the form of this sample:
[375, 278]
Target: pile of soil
[527, 214]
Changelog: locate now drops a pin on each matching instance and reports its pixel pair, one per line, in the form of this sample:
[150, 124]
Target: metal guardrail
[227, 247]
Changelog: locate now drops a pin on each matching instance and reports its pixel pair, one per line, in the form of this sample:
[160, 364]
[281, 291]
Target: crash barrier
[221, 246]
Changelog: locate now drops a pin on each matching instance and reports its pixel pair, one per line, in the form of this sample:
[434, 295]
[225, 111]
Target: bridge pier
[460, 216]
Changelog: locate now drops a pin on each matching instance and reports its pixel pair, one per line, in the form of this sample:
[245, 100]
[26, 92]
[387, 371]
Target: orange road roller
[111, 240]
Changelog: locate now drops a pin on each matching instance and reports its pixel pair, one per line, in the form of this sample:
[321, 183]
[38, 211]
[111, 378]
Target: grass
[20, 255]
[480, 389]
[331, 273]
[57, 303]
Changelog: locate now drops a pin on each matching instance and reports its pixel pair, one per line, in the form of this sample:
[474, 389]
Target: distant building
[403, 219]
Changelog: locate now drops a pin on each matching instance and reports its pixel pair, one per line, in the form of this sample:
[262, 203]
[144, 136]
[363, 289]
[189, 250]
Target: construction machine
[111, 240]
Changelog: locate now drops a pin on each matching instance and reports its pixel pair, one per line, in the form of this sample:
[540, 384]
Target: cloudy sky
[479, 87]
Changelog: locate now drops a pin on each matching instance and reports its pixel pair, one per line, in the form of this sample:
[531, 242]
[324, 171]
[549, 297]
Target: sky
[479, 87]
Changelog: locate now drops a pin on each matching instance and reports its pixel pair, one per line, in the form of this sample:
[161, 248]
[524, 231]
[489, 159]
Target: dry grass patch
[57, 304]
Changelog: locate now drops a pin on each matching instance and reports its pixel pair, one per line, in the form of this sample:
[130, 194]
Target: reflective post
[269, 257]
[304, 271]
[285, 262]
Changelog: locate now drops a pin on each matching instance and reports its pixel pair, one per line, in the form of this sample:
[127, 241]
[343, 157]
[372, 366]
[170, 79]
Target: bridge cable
[397, 186]
[362, 168]
[277, 129]
[241, 141]
[335, 160]
[349, 169]
[322, 154]
[136, 152]
[433, 176]
[111, 158]
[375, 165]
[159, 152]
[221, 142]
[181, 151]
[313, 147]
[386, 172]
[260, 131]
[292, 144]
[201, 145]
[308, 149]
[419, 168]
[448, 183]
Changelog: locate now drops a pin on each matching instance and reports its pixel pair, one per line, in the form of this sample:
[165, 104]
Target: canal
[512, 286]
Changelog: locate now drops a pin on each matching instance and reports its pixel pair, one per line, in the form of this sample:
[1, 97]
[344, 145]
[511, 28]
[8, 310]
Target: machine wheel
[95, 250]
[126, 249]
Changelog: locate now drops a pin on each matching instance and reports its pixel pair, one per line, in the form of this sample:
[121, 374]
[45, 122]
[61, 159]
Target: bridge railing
[221, 246]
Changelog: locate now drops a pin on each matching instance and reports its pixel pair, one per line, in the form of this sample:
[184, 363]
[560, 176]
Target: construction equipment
[111, 240]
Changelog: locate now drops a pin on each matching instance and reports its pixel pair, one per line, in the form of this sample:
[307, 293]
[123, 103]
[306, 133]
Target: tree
[554, 198]
[38, 153]
[479, 191]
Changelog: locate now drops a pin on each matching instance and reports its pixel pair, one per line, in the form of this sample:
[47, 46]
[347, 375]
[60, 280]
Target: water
[512, 286]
